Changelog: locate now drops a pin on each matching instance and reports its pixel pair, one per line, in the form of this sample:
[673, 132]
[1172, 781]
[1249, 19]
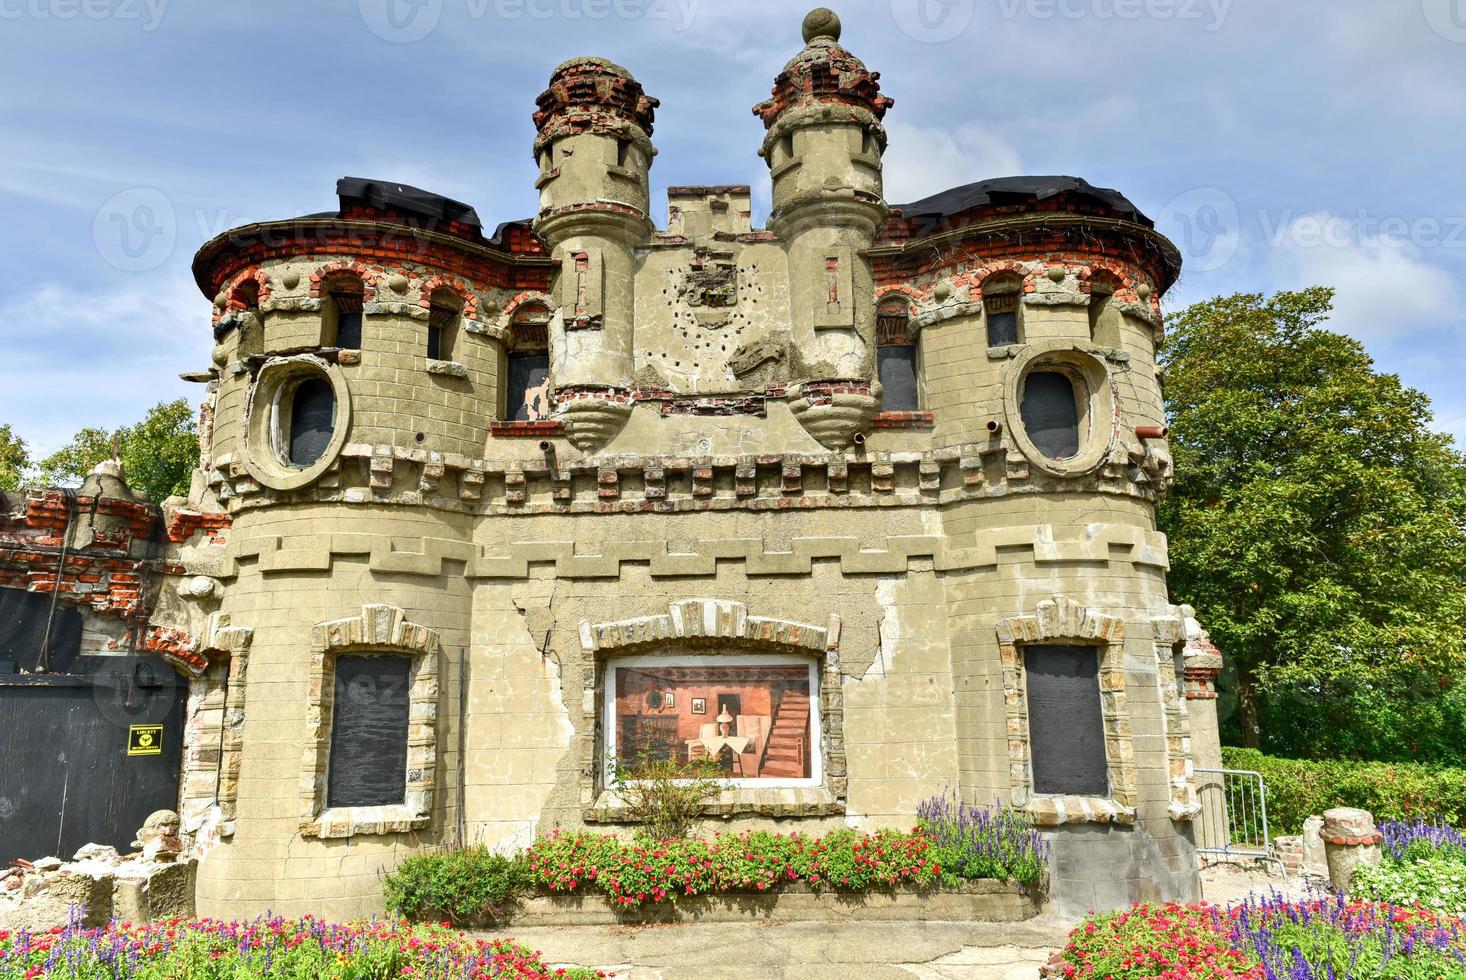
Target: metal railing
[1232, 824]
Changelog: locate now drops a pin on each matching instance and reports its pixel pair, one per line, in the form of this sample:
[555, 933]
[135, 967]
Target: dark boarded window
[442, 328]
[348, 319]
[312, 418]
[1002, 317]
[368, 765]
[1066, 731]
[527, 398]
[1050, 413]
[897, 365]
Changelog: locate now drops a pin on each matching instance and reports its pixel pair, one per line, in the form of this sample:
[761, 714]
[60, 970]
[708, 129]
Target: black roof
[1002, 190]
[390, 195]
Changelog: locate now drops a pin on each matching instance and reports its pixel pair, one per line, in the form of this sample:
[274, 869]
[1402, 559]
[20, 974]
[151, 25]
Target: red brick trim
[530, 429]
[1365, 841]
[455, 286]
[903, 420]
[344, 270]
[186, 523]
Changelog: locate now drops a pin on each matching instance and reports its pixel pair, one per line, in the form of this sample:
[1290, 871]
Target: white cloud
[1385, 288]
[923, 160]
[98, 357]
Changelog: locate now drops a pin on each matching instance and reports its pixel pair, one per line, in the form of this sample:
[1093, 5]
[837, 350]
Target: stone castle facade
[860, 506]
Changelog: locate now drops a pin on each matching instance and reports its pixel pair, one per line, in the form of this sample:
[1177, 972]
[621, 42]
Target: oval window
[1051, 415]
[312, 410]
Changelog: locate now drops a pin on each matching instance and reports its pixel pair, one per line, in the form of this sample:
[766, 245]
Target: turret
[823, 148]
[594, 151]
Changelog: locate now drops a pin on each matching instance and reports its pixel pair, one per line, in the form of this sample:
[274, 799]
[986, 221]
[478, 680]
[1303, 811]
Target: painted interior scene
[756, 721]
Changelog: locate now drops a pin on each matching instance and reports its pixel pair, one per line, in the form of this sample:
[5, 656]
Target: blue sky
[1281, 143]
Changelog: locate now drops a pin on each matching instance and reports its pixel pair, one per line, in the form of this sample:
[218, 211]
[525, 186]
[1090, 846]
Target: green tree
[158, 454]
[15, 458]
[1317, 523]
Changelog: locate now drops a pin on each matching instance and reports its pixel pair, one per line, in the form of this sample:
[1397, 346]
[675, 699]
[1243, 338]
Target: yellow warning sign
[145, 740]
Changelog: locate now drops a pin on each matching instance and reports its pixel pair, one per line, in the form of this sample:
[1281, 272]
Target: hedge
[1298, 788]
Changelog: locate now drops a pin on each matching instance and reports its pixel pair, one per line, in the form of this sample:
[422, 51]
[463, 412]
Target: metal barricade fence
[1232, 824]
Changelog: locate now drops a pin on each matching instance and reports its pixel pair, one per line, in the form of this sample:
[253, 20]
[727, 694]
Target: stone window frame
[1099, 408]
[379, 629]
[263, 421]
[1068, 620]
[217, 665]
[1170, 636]
[704, 627]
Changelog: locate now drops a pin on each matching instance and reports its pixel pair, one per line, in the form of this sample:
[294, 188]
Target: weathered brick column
[1349, 840]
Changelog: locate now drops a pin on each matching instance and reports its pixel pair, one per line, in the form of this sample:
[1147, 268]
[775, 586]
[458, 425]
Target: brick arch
[525, 298]
[1005, 267]
[237, 291]
[336, 271]
[904, 289]
[455, 286]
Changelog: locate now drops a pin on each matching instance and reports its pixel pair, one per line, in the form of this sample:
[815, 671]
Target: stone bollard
[1315, 864]
[1349, 840]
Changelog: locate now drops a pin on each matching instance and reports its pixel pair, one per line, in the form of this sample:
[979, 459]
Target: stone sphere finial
[821, 22]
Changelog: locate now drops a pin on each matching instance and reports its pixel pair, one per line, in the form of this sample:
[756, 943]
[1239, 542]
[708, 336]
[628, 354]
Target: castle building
[860, 505]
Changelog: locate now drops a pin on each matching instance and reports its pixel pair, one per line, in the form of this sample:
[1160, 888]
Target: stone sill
[527, 429]
[801, 801]
[1053, 811]
[450, 369]
[903, 420]
[353, 820]
[985, 900]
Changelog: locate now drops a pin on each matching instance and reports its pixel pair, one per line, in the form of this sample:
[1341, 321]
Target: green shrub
[471, 884]
[666, 797]
[1298, 788]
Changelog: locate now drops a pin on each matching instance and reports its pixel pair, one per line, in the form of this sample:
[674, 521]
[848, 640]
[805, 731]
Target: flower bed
[1322, 938]
[268, 949]
[1425, 865]
[952, 844]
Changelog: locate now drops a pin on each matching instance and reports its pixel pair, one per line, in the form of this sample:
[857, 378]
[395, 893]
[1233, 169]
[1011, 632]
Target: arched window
[896, 357]
[308, 418]
[341, 313]
[1001, 293]
[526, 393]
[1052, 412]
[443, 320]
[1104, 316]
